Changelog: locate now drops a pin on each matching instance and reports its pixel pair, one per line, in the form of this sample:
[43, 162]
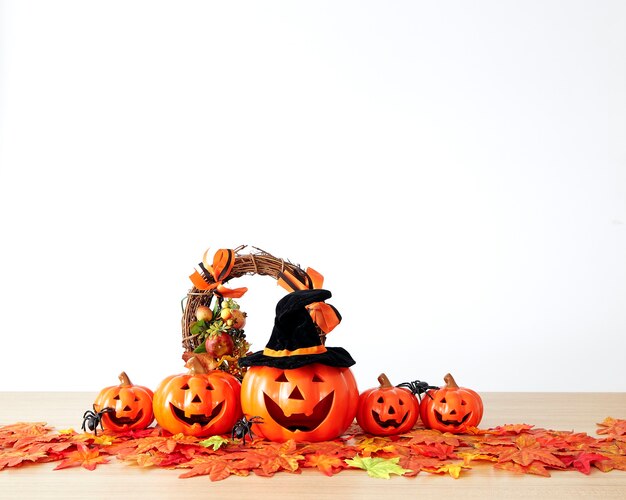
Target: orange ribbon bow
[324, 315]
[223, 262]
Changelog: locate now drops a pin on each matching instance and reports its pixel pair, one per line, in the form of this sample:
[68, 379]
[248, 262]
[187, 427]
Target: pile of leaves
[517, 448]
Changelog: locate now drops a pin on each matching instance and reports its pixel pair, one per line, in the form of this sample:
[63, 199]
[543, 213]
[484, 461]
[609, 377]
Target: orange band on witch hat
[316, 349]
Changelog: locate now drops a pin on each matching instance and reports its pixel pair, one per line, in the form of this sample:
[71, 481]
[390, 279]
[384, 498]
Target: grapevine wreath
[213, 322]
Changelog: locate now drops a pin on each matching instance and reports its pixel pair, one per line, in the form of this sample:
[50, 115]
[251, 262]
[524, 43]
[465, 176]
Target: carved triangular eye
[317, 378]
[380, 400]
[185, 387]
[443, 400]
[136, 398]
[117, 397]
[400, 402]
[209, 387]
[463, 403]
[281, 378]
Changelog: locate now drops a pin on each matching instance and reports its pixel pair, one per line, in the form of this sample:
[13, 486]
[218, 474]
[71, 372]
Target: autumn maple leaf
[527, 450]
[583, 461]
[216, 467]
[327, 464]
[85, 457]
[612, 427]
[535, 467]
[416, 463]
[13, 458]
[428, 436]
[371, 445]
[377, 467]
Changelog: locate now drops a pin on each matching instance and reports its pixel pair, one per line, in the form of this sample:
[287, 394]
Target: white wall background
[456, 170]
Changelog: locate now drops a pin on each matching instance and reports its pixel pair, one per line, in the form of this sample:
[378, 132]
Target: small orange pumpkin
[198, 403]
[314, 402]
[132, 405]
[387, 410]
[451, 408]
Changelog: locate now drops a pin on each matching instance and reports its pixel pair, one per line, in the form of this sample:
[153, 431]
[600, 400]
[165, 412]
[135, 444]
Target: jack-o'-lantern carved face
[451, 408]
[387, 410]
[198, 403]
[131, 404]
[311, 403]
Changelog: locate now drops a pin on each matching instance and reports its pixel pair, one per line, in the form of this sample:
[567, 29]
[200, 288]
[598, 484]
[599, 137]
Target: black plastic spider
[417, 387]
[92, 418]
[244, 426]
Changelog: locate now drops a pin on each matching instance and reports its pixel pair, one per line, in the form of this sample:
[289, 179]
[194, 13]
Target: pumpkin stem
[451, 383]
[195, 366]
[124, 379]
[384, 381]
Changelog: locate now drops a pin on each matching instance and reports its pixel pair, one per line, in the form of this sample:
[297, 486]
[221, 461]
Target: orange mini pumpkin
[451, 408]
[314, 402]
[387, 410]
[198, 403]
[132, 405]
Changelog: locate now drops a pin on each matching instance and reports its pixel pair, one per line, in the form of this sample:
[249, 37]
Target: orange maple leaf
[85, 457]
[416, 463]
[13, 458]
[217, 468]
[428, 436]
[327, 464]
[371, 445]
[612, 427]
[535, 467]
[527, 450]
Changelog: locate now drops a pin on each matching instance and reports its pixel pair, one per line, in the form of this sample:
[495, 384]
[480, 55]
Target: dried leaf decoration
[518, 448]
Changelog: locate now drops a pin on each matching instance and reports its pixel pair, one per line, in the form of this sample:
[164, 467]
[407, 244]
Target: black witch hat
[295, 340]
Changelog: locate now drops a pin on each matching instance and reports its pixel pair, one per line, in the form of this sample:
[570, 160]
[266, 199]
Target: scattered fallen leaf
[377, 467]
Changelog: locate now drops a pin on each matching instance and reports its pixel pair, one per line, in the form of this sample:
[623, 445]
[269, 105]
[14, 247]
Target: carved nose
[453, 412]
[391, 411]
[296, 394]
[126, 408]
[196, 399]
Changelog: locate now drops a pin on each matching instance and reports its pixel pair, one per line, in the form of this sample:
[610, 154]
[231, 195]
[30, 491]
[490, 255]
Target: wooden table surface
[560, 411]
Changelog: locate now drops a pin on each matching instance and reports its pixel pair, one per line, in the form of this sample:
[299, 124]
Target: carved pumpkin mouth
[120, 421]
[388, 423]
[201, 418]
[454, 423]
[300, 421]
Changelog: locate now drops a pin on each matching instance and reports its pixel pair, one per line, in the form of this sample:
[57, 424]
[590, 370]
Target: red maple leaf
[437, 450]
[85, 457]
[583, 461]
[428, 436]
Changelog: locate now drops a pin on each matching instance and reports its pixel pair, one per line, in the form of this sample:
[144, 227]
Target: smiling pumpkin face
[198, 404]
[451, 408]
[387, 410]
[311, 403]
[132, 405]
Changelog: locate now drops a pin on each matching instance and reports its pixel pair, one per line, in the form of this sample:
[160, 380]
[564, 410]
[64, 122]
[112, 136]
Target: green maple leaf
[215, 441]
[378, 467]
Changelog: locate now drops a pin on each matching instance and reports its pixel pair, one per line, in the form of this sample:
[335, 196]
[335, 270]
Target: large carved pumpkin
[198, 403]
[387, 410]
[131, 404]
[314, 402]
[451, 408]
